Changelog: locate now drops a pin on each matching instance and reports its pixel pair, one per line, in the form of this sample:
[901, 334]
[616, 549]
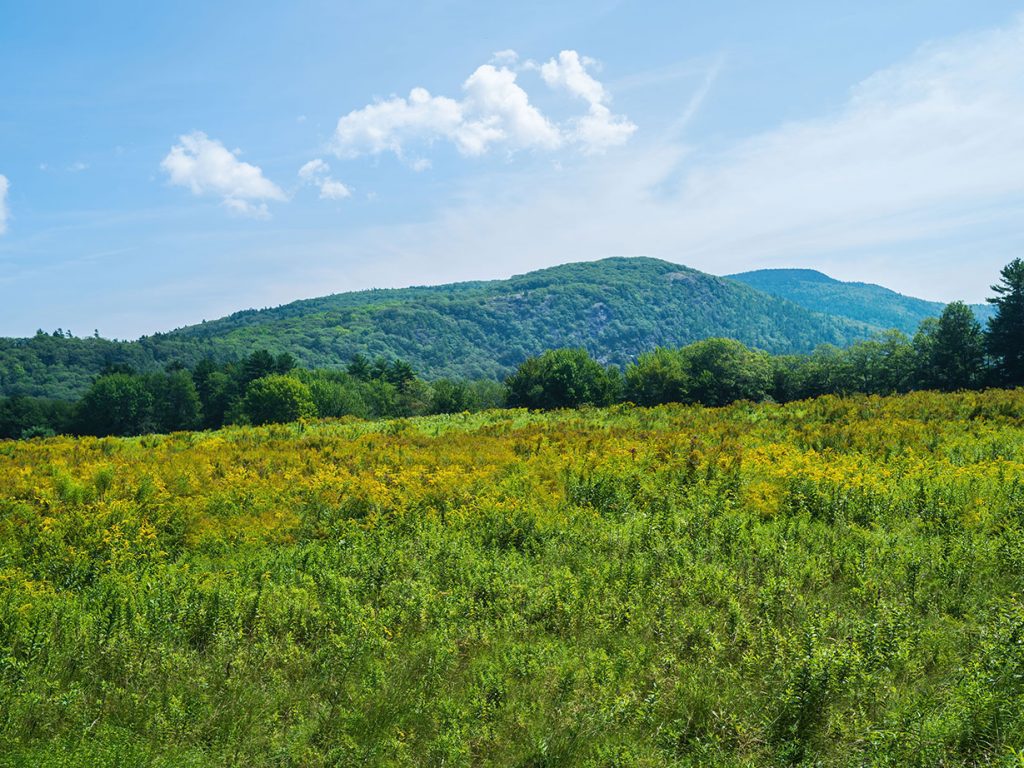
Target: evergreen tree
[957, 349]
[257, 365]
[359, 367]
[1005, 337]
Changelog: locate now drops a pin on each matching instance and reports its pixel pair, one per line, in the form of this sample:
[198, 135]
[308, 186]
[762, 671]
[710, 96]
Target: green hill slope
[615, 308]
[863, 302]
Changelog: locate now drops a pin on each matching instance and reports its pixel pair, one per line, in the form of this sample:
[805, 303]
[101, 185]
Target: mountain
[863, 302]
[616, 308]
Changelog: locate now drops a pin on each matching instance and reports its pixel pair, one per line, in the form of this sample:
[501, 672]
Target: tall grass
[830, 582]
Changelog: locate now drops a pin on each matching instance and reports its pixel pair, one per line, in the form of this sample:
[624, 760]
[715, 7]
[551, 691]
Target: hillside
[615, 308]
[863, 302]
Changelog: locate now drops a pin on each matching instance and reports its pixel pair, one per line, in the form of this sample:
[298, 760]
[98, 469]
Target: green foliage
[176, 403]
[116, 404]
[33, 417]
[883, 366]
[712, 372]
[336, 394]
[132, 404]
[448, 396]
[721, 371]
[278, 398]
[1006, 330]
[562, 378]
[657, 377]
[951, 350]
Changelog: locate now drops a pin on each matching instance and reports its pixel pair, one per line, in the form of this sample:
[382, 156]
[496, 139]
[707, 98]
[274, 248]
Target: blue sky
[162, 164]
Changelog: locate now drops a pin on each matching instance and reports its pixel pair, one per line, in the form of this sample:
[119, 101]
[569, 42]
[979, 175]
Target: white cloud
[334, 190]
[205, 166]
[317, 172]
[4, 186]
[78, 166]
[598, 130]
[569, 71]
[387, 125]
[505, 58]
[499, 110]
[313, 169]
[494, 111]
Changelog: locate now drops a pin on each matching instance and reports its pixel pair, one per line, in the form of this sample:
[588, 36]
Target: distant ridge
[862, 302]
[616, 308]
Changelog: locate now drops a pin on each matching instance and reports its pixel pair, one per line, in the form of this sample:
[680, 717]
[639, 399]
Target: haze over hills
[863, 302]
[615, 308]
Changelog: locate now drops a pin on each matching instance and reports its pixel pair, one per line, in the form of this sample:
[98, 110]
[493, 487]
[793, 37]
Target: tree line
[260, 388]
[951, 352]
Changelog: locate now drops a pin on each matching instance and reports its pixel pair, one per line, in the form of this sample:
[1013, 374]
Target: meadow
[837, 581]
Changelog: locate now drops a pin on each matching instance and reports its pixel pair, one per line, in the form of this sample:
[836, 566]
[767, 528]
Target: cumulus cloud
[388, 125]
[206, 166]
[599, 129]
[499, 110]
[4, 185]
[317, 172]
[494, 110]
[569, 71]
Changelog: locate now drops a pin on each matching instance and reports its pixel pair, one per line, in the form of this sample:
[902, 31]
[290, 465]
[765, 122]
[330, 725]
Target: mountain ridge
[616, 308]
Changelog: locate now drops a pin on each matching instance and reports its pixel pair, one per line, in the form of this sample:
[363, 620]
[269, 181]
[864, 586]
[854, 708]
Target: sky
[162, 164]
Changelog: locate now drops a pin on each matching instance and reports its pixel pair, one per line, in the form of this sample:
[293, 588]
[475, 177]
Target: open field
[834, 582]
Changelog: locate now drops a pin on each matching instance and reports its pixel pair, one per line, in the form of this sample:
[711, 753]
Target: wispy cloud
[696, 100]
[206, 166]
[318, 173]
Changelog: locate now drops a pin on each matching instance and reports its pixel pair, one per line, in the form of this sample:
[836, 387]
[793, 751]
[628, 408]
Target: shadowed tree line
[259, 389]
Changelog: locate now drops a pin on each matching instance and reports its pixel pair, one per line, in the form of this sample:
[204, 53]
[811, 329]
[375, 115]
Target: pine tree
[958, 353]
[1005, 337]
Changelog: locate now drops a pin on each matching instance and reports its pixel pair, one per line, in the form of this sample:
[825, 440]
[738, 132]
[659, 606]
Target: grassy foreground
[831, 582]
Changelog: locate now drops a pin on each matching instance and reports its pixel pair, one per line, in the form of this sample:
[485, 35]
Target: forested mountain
[863, 302]
[615, 308]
